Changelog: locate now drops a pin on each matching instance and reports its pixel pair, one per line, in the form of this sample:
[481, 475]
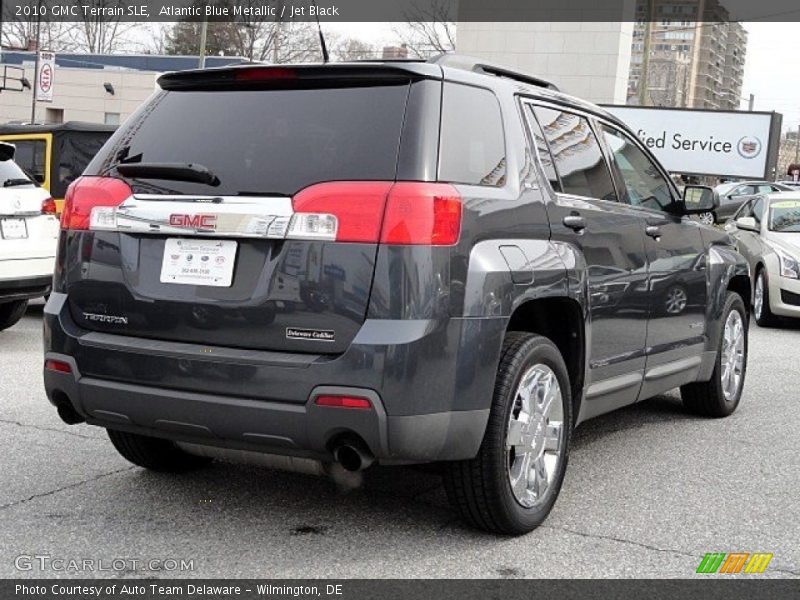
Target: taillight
[264, 74]
[422, 214]
[342, 211]
[49, 206]
[86, 193]
[413, 213]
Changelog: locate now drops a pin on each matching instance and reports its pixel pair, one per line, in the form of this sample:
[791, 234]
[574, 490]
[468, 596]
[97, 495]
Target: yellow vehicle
[56, 154]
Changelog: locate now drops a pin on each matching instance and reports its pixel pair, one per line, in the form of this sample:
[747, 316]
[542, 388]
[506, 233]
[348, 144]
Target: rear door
[214, 263]
[676, 260]
[609, 235]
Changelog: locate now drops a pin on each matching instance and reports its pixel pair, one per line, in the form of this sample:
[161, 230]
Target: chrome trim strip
[670, 368]
[219, 216]
[614, 384]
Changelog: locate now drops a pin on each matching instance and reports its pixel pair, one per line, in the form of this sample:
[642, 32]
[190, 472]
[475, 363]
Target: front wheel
[720, 396]
[11, 313]
[761, 310]
[512, 484]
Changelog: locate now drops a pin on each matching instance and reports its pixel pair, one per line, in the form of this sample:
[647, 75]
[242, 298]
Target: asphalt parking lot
[649, 490]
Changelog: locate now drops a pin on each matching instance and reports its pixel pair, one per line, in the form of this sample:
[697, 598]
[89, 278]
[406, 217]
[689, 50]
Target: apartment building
[691, 55]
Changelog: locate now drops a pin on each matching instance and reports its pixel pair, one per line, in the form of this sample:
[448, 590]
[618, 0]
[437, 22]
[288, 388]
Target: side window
[744, 210]
[758, 209]
[576, 154]
[744, 190]
[30, 156]
[542, 149]
[472, 148]
[765, 189]
[644, 183]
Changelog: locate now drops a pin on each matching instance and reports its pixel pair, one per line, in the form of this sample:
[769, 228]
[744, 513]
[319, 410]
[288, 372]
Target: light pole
[201, 63]
[36, 62]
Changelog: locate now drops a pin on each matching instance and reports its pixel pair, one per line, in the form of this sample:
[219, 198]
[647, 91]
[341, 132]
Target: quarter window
[644, 184]
[472, 139]
[543, 151]
[577, 156]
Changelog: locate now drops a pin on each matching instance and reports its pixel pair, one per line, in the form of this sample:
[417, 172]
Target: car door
[731, 202]
[749, 243]
[676, 262]
[608, 235]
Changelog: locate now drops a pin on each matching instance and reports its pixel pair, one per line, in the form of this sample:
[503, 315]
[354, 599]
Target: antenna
[323, 46]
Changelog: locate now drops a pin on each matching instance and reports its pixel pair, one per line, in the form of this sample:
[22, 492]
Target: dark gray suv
[392, 262]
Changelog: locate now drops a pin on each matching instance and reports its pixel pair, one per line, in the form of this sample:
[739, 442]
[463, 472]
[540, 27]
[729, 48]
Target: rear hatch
[193, 238]
[25, 232]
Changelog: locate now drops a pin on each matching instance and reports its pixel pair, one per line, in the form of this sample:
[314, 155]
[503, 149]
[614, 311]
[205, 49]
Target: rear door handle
[574, 222]
[654, 231]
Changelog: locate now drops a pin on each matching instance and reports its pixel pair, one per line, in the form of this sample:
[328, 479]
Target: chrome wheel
[732, 361]
[707, 218]
[676, 301]
[758, 296]
[535, 435]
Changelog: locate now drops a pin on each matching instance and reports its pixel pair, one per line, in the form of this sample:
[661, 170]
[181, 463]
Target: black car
[392, 262]
[733, 195]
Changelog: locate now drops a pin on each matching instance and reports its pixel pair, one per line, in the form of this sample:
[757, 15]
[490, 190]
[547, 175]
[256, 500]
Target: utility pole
[36, 62]
[201, 64]
[797, 146]
[644, 76]
[752, 102]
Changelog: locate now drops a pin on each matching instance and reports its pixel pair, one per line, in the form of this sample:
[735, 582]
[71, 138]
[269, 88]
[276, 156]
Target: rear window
[273, 142]
[9, 170]
[473, 143]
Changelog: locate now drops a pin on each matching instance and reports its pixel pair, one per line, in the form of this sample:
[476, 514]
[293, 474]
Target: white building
[586, 59]
[92, 88]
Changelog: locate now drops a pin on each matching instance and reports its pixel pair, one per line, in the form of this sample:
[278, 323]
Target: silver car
[767, 230]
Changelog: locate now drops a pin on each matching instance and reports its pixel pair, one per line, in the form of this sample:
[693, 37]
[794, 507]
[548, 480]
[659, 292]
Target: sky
[772, 65]
[772, 69]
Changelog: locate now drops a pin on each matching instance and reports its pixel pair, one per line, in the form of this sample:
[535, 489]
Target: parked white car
[767, 232]
[28, 239]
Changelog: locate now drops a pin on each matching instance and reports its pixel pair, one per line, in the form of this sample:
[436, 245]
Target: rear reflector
[413, 213]
[86, 193]
[57, 365]
[344, 402]
[49, 206]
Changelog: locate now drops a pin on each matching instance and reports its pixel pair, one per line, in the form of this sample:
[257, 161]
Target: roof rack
[479, 65]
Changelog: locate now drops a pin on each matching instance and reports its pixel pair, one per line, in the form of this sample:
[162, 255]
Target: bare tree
[21, 35]
[344, 49]
[103, 34]
[429, 29]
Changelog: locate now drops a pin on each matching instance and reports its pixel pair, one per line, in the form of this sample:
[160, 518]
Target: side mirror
[747, 224]
[7, 151]
[699, 199]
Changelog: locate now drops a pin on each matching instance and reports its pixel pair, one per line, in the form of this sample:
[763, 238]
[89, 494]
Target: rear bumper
[430, 385]
[24, 288]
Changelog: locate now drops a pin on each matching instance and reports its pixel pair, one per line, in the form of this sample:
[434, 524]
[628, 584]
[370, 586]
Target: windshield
[10, 171]
[784, 216]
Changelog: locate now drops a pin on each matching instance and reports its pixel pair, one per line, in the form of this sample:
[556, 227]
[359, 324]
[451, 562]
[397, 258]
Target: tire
[480, 490]
[11, 313]
[155, 454]
[761, 309]
[707, 218]
[719, 397]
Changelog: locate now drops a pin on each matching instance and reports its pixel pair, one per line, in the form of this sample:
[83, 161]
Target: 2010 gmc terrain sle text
[401, 262]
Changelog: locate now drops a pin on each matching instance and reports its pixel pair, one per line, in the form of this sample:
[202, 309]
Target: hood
[788, 242]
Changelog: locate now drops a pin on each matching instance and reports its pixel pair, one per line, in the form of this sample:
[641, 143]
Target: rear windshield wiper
[17, 181]
[191, 172]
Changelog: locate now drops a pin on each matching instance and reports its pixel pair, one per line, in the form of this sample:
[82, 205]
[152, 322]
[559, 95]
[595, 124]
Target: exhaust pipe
[353, 456]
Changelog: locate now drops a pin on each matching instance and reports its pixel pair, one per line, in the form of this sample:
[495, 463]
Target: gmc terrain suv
[401, 262]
